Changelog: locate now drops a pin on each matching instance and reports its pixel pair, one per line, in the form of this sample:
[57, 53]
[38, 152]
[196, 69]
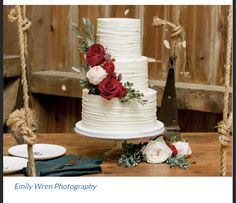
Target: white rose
[156, 152]
[96, 74]
[183, 148]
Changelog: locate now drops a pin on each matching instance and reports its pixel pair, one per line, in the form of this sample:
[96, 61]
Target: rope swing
[225, 126]
[23, 122]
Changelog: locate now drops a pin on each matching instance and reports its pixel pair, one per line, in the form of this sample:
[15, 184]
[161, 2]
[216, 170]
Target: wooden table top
[205, 147]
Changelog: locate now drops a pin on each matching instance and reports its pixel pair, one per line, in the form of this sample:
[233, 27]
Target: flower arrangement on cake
[99, 75]
[100, 79]
[158, 150]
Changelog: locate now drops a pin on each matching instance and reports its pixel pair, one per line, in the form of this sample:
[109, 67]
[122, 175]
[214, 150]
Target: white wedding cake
[122, 38]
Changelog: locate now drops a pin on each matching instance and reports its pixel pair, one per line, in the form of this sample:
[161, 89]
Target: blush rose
[183, 148]
[96, 74]
[156, 151]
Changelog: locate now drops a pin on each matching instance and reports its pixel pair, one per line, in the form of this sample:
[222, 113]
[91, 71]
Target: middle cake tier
[102, 115]
[134, 70]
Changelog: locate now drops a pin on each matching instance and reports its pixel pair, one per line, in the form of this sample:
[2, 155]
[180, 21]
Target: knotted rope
[225, 126]
[23, 122]
[176, 33]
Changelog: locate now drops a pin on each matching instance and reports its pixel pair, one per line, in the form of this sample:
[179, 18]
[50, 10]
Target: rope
[26, 25]
[225, 126]
[23, 122]
[176, 33]
[18, 126]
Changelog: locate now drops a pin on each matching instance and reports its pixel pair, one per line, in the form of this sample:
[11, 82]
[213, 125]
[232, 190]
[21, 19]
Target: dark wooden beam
[59, 83]
[200, 97]
[191, 96]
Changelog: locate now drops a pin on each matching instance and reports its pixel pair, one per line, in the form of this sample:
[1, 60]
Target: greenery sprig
[178, 161]
[132, 155]
[133, 94]
[93, 89]
[85, 35]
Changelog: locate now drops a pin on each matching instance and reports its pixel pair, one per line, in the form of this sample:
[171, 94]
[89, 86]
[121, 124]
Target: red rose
[110, 87]
[173, 149]
[95, 55]
[123, 92]
[109, 67]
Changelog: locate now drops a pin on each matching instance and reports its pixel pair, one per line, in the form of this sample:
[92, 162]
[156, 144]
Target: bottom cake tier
[112, 115]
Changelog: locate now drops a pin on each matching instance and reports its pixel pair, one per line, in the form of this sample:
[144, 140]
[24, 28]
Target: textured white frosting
[100, 114]
[121, 36]
[134, 70]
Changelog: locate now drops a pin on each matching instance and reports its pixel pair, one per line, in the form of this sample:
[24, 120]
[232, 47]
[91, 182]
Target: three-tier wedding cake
[122, 39]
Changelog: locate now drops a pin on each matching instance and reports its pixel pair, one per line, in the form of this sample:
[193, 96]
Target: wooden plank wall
[53, 46]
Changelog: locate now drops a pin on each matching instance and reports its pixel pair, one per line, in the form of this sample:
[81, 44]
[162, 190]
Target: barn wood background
[53, 48]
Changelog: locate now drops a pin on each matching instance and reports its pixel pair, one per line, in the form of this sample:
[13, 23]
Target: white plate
[41, 151]
[158, 129]
[12, 164]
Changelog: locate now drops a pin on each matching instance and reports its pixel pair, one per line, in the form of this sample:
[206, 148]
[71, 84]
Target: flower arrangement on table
[99, 75]
[159, 150]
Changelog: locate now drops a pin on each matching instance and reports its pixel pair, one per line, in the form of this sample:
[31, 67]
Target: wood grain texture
[53, 46]
[60, 83]
[205, 147]
[193, 96]
[38, 37]
[197, 121]
[56, 113]
[40, 109]
[11, 66]
[201, 61]
[10, 37]
[123, 11]
[9, 96]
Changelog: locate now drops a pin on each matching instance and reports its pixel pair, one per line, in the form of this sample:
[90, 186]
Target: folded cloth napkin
[70, 165]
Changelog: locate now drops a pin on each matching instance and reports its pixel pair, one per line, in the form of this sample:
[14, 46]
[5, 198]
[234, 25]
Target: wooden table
[205, 147]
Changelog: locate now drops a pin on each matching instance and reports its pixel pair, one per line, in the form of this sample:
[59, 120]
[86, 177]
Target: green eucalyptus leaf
[76, 70]
[178, 161]
[79, 36]
[96, 39]
[89, 42]
[84, 20]
[132, 155]
[88, 22]
[86, 32]
[85, 69]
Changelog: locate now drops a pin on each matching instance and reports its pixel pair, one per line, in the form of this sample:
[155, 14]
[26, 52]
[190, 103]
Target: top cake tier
[121, 36]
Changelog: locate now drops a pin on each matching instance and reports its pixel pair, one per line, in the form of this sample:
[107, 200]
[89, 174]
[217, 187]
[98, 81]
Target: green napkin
[70, 165]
